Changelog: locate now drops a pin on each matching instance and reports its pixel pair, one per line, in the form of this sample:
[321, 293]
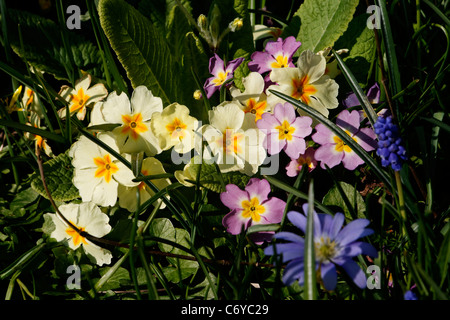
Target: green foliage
[343, 196]
[322, 23]
[179, 249]
[360, 41]
[140, 48]
[58, 174]
[37, 40]
[211, 178]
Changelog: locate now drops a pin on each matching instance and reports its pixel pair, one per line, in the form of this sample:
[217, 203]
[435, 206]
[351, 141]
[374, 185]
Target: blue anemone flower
[334, 246]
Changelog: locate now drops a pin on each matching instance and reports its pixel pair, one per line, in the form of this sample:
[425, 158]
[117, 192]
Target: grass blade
[362, 98]
[389, 49]
[310, 292]
[291, 190]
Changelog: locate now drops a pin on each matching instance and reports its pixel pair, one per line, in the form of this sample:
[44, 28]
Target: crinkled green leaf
[360, 41]
[323, 22]
[58, 174]
[334, 198]
[43, 46]
[141, 49]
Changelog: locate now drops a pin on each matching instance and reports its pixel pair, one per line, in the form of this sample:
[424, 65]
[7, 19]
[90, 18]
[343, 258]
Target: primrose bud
[236, 24]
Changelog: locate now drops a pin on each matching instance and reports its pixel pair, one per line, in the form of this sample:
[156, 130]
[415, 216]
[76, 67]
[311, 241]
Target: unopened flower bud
[236, 24]
[202, 22]
[197, 94]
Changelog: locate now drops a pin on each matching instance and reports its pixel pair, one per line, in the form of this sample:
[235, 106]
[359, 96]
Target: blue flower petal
[289, 236]
[329, 276]
[354, 272]
[293, 271]
[356, 248]
[353, 231]
[297, 219]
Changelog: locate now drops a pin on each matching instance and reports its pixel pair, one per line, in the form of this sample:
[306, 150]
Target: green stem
[401, 201]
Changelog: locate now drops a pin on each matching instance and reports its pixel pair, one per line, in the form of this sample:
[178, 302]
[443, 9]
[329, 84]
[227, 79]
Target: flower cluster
[390, 145]
[239, 135]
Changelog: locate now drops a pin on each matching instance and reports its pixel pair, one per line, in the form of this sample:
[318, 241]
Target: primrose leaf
[323, 22]
[141, 49]
[58, 174]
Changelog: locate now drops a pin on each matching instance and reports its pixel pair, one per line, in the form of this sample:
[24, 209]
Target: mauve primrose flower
[296, 165]
[250, 206]
[333, 150]
[284, 130]
[333, 245]
[277, 54]
[221, 73]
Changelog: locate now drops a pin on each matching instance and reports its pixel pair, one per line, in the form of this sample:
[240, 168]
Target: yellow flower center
[76, 237]
[281, 62]
[302, 89]
[325, 249]
[252, 209]
[176, 128]
[78, 101]
[285, 131]
[340, 144]
[221, 78]
[256, 108]
[105, 167]
[133, 125]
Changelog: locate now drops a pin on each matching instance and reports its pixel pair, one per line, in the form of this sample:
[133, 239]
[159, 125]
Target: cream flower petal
[327, 91]
[284, 75]
[312, 65]
[105, 194]
[127, 195]
[115, 106]
[226, 116]
[84, 82]
[96, 93]
[85, 181]
[143, 101]
[100, 255]
[124, 175]
[96, 116]
[94, 221]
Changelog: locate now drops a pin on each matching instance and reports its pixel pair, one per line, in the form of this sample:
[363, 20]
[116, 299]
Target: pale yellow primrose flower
[40, 142]
[233, 145]
[134, 116]
[174, 127]
[97, 173]
[127, 195]
[87, 217]
[253, 99]
[81, 96]
[307, 83]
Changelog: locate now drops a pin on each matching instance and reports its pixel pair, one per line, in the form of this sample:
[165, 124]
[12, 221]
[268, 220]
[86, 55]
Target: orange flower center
[76, 237]
[133, 125]
[78, 101]
[303, 90]
[105, 167]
